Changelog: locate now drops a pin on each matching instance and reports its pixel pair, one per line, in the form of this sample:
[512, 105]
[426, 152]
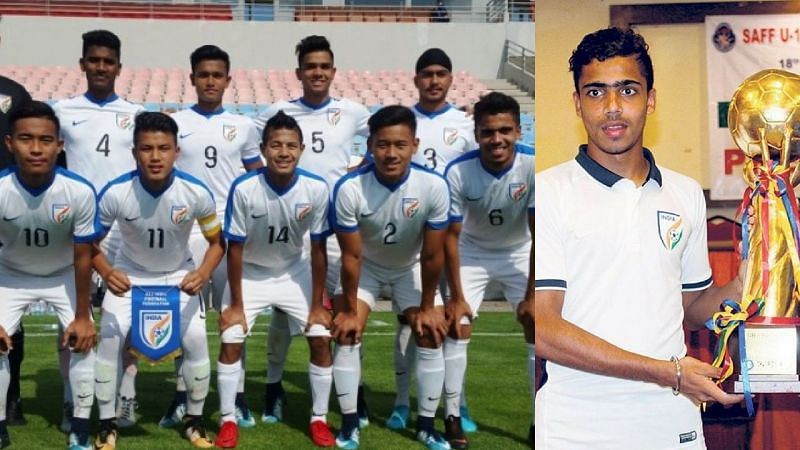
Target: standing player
[270, 213]
[489, 238]
[12, 94]
[329, 126]
[156, 206]
[444, 133]
[47, 228]
[97, 131]
[215, 144]
[390, 219]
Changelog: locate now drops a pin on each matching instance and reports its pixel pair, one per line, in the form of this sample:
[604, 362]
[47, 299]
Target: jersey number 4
[102, 146]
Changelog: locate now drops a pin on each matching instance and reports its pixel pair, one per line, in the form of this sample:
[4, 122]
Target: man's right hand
[117, 282]
[346, 326]
[5, 342]
[232, 316]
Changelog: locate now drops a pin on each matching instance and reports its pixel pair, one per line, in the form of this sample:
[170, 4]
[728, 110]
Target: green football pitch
[497, 387]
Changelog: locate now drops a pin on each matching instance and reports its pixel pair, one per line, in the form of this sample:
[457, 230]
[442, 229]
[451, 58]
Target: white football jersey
[328, 131]
[390, 218]
[444, 135]
[272, 221]
[155, 226]
[214, 148]
[494, 207]
[98, 136]
[39, 226]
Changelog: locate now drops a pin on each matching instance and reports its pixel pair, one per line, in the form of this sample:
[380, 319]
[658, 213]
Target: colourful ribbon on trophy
[156, 327]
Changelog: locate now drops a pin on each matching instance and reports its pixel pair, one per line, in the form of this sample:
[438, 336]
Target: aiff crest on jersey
[180, 214]
[229, 132]
[410, 207]
[301, 211]
[517, 191]
[60, 212]
[334, 115]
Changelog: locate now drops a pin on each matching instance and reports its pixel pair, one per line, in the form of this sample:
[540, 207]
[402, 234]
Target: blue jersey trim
[325, 103]
[34, 191]
[697, 286]
[229, 202]
[341, 229]
[248, 161]
[551, 283]
[472, 154]
[438, 225]
[125, 177]
[280, 190]
[433, 114]
[234, 237]
[101, 102]
[191, 179]
[85, 239]
[531, 210]
[157, 193]
[332, 222]
[524, 148]
[321, 236]
[456, 219]
[207, 115]
[312, 175]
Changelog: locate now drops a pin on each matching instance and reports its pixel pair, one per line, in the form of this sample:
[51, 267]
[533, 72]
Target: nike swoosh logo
[257, 216]
[184, 136]
[450, 394]
[101, 382]
[9, 219]
[84, 396]
[367, 215]
[473, 199]
[399, 373]
[75, 123]
[201, 378]
[131, 219]
[342, 395]
[433, 399]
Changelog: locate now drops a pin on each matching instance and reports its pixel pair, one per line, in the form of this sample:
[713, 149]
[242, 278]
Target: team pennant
[156, 328]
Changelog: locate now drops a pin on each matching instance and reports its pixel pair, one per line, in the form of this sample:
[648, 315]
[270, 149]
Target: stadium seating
[128, 10]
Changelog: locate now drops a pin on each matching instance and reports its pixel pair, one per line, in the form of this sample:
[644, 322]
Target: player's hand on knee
[5, 342]
[80, 335]
[698, 383]
[346, 327]
[117, 281]
[319, 315]
[430, 322]
[454, 311]
[232, 316]
[193, 282]
[525, 312]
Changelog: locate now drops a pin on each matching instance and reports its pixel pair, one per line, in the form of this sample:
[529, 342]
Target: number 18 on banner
[156, 327]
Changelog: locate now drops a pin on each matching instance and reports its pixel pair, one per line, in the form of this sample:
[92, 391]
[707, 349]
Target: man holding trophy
[621, 263]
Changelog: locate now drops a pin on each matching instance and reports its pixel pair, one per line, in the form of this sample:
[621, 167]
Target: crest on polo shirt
[125, 121]
[5, 103]
[410, 207]
[229, 132]
[450, 135]
[670, 229]
[179, 214]
[517, 191]
[301, 211]
[60, 212]
[334, 115]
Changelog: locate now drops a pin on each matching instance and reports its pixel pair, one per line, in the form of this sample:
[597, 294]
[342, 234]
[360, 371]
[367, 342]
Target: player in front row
[156, 207]
[329, 125]
[270, 212]
[47, 228]
[390, 218]
[488, 245]
[215, 145]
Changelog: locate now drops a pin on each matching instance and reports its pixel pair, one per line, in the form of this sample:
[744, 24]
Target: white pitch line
[264, 333]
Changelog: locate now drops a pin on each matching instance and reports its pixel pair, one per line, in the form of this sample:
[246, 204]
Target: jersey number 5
[317, 143]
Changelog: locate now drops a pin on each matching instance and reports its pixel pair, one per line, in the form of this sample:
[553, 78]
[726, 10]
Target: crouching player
[155, 207]
[47, 228]
[269, 212]
[390, 219]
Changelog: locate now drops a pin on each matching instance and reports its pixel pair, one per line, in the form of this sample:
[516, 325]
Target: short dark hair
[35, 109]
[495, 103]
[154, 122]
[390, 116]
[210, 52]
[281, 121]
[310, 44]
[609, 43]
[101, 38]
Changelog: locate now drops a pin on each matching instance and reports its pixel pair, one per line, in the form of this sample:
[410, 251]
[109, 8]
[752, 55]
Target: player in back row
[216, 145]
[329, 126]
[47, 229]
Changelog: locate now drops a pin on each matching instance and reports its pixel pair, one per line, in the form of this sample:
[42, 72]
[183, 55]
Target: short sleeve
[549, 257]
[320, 228]
[235, 214]
[440, 204]
[206, 214]
[251, 151]
[695, 267]
[532, 198]
[86, 226]
[453, 176]
[362, 115]
[345, 206]
[107, 208]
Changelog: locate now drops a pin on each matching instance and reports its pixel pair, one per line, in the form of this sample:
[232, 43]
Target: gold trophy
[764, 120]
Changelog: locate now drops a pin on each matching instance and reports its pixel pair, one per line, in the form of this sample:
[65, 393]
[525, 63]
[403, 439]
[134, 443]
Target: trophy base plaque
[772, 358]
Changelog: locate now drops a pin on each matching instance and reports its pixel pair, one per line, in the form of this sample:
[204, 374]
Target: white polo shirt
[622, 254]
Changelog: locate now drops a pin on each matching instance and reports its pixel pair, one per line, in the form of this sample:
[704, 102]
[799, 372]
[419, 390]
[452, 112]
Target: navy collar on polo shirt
[608, 177]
